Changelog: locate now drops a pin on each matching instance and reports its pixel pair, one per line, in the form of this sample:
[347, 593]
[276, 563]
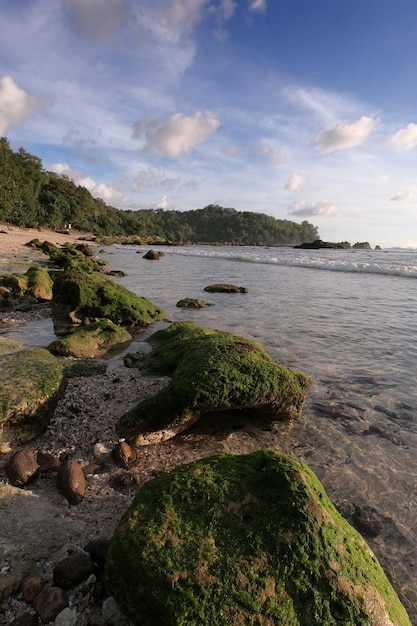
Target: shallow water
[346, 318]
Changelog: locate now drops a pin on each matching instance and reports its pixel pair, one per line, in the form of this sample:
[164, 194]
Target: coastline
[99, 401]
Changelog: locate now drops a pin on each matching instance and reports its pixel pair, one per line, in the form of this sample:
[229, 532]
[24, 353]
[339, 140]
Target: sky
[300, 109]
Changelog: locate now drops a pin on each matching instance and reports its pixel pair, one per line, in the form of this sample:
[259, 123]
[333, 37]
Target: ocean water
[347, 318]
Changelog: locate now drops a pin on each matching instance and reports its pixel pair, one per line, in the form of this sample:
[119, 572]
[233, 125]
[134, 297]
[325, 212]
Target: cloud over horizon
[17, 106]
[320, 209]
[345, 135]
[178, 135]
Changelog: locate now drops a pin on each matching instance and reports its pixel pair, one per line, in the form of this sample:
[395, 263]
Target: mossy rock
[225, 288]
[192, 303]
[39, 284]
[97, 296]
[36, 282]
[32, 381]
[97, 339]
[210, 371]
[250, 539]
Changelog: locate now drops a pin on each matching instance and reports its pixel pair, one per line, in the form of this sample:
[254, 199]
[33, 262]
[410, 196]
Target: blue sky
[301, 109]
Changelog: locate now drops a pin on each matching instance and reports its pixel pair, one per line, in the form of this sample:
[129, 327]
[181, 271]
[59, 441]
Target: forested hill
[33, 197]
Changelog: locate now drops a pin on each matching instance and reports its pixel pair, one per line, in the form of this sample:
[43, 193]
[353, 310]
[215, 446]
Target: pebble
[31, 587]
[73, 570]
[49, 603]
[67, 617]
[71, 481]
[22, 468]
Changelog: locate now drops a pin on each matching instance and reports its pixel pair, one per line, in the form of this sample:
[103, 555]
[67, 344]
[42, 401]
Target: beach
[357, 431]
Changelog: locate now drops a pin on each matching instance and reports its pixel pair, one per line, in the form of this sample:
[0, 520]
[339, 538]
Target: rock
[71, 481]
[111, 612]
[31, 587]
[318, 244]
[97, 339]
[49, 603]
[32, 381]
[36, 282]
[125, 481]
[364, 245]
[250, 539]
[366, 522]
[191, 303]
[211, 371]
[39, 283]
[152, 255]
[97, 549]
[67, 617]
[85, 249]
[47, 462]
[98, 296]
[73, 570]
[101, 452]
[123, 454]
[22, 468]
[225, 288]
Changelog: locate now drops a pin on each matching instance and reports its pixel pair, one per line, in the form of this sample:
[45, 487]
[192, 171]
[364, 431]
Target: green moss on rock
[39, 283]
[36, 282]
[251, 539]
[211, 371]
[225, 288]
[31, 383]
[95, 295]
[97, 339]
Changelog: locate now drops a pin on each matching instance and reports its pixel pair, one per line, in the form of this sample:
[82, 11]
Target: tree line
[34, 198]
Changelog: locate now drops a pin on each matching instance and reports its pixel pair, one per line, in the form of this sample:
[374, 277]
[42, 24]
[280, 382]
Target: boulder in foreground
[31, 383]
[210, 371]
[248, 539]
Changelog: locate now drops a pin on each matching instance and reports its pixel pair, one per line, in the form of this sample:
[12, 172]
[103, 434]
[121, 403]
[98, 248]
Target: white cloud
[294, 183]
[16, 106]
[270, 152]
[151, 178]
[257, 5]
[179, 135]
[110, 195]
[405, 138]
[320, 209]
[403, 196]
[345, 135]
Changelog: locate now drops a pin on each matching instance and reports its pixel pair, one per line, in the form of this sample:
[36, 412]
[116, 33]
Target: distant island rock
[342, 245]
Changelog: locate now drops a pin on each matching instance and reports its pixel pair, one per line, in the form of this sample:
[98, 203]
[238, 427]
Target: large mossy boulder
[210, 371]
[31, 383]
[36, 282]
[250, 539]
[79, 295]
[97, 339]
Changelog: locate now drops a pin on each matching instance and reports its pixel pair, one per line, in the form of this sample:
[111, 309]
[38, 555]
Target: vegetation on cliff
[33, 197]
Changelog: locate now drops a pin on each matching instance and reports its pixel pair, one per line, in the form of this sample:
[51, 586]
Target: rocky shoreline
[83, 429]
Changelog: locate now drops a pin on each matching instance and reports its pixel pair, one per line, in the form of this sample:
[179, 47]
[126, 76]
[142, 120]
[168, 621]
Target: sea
[348, 319]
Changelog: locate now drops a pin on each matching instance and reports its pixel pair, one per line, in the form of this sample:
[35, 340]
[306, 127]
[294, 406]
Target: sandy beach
[13, 239]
